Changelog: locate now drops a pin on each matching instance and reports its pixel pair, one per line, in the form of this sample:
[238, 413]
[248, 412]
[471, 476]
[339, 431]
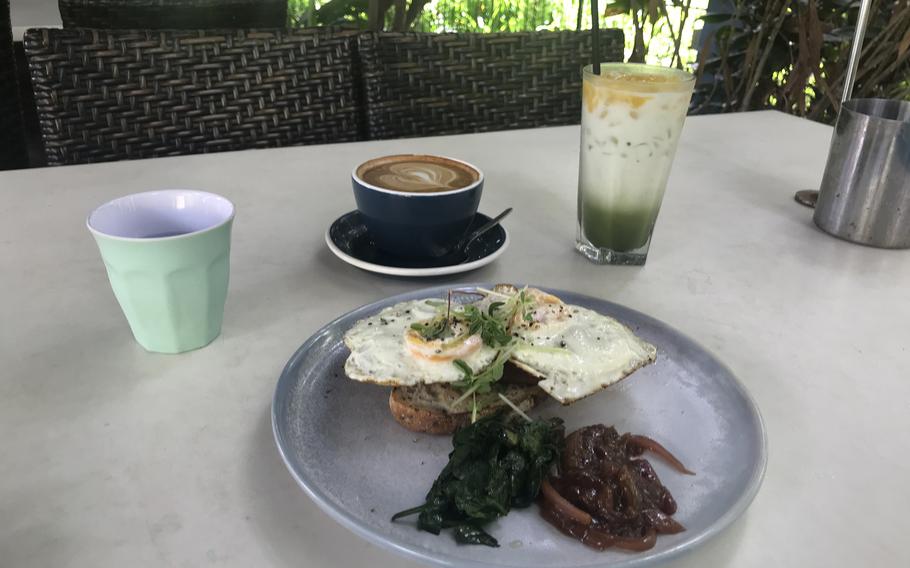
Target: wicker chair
[13, 153]
[173, 14]
[135, 94]
[420, 84]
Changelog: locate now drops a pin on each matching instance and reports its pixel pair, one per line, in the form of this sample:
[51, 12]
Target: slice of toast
[428, 408]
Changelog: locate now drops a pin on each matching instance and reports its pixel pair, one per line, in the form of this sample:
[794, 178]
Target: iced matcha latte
[631, 117]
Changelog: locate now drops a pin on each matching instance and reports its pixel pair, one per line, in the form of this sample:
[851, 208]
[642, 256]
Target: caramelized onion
[606, 495]
[647, 443]
[663, 523]
[564, 524]
[605, 501]
[638, 544]
[631, 497]
[562, 506]
[596, 538]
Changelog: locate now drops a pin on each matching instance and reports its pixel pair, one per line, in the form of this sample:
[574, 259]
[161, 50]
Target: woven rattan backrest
[13, 153]
[419, 84]
[106, 95]
[173, 14]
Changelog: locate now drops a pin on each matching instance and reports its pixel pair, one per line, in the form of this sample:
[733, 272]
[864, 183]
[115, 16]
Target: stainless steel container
[865, 192]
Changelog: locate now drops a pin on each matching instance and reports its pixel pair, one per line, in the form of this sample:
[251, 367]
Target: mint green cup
[167, 255]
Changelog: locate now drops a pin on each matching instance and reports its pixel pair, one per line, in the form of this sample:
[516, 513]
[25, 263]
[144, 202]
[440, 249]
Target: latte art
[418, 174]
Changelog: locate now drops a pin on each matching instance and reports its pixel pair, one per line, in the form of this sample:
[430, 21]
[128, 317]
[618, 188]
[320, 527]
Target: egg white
[577, 351]
[379, 353]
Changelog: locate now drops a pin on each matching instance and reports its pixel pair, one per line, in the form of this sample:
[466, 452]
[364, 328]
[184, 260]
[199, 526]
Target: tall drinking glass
[631, 118]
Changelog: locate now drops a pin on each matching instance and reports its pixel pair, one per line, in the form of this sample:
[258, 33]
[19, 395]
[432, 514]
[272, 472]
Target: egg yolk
[438, 350]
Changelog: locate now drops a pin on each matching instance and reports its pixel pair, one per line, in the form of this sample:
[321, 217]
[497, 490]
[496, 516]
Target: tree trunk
[373, 15]
[400, 12]
[414, 11]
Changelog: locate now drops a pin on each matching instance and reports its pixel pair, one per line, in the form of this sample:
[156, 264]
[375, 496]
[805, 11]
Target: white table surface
[111, 456]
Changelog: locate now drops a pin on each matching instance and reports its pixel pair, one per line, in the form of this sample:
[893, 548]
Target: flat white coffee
[417, 174]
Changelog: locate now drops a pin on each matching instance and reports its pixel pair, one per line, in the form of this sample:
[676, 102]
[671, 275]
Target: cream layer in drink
[631, 119]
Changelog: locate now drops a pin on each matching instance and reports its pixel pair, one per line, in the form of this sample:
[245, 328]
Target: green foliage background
[788, 55]
[524, 15]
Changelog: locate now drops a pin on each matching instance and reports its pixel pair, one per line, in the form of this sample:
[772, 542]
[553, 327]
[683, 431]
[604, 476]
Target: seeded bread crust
[421, 411]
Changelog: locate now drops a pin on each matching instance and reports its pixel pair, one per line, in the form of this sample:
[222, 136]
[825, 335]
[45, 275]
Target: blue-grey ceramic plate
[343, 447]
[349, 240]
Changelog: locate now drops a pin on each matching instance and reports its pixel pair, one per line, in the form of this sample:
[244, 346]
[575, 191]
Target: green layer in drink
[617, 229]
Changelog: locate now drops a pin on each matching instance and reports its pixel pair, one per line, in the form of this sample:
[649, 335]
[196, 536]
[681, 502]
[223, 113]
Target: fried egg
[385, 350]
[575, 351]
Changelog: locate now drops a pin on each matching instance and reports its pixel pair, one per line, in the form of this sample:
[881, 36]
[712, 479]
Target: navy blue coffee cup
[412, 224]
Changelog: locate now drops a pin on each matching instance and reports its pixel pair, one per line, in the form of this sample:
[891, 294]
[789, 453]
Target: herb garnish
[494, 328]
[496, 464]
[431, 329]
[482, 382]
